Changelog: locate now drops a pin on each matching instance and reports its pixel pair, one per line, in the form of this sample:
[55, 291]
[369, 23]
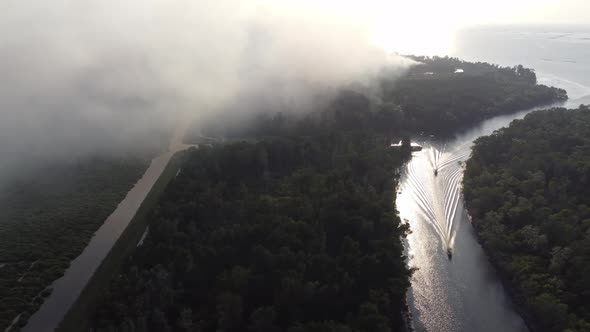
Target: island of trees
[527, 189]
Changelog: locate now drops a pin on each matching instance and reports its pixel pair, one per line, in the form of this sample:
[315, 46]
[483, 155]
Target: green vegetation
[527, 189]
[295, 234]
[46, 220]
[77, 317]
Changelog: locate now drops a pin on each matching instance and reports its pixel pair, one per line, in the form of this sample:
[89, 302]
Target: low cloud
[81, 77]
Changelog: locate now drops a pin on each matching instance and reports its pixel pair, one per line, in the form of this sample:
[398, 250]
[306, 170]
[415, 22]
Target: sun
[420, 28]
[413, 40]
[406, 27]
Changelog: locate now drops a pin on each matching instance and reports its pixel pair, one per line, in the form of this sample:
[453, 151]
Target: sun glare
[407, 28]
[423, 40]
[428, 35]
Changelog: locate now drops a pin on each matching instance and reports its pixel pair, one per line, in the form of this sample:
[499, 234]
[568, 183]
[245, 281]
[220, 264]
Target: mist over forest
[104, 77]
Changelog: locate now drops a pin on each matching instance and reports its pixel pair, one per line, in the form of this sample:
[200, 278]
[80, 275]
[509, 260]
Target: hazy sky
[427, 26]
[533, 11]
[95, 75]
[474, 11]
[84, 75]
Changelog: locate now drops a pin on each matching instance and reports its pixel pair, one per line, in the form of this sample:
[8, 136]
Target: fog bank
[81, 77]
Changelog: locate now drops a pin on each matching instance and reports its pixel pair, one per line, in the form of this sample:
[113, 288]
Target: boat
[435, 171]
[414, 147]
[449, 253]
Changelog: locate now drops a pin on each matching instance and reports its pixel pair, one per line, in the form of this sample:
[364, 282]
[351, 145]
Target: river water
[464, 293]
[67, 288]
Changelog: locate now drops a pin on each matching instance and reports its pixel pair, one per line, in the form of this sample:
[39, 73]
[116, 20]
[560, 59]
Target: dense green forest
[46, 220]
[295, 234]
[527, 189]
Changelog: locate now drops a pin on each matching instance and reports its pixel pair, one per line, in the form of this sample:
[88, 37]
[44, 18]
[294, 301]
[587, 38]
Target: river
[462, 293]
[67, 288]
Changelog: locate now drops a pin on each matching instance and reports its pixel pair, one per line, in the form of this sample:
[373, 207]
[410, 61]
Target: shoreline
[508, 286]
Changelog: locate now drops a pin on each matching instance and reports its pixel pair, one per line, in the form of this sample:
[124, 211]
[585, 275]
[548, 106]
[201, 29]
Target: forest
[293, 234]
[526, 188]
[46, 220]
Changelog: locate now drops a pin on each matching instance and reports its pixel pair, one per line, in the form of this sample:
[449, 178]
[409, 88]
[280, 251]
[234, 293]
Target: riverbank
[526, 188]
[461, 294]
[509, 286]
[78, 317]
[442, 288]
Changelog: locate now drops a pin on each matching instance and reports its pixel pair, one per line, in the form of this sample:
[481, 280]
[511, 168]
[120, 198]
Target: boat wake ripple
[434, 178]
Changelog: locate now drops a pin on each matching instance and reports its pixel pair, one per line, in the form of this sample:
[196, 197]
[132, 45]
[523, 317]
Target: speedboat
[449, 253]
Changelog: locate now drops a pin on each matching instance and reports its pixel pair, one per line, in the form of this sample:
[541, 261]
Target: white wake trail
[435, 176]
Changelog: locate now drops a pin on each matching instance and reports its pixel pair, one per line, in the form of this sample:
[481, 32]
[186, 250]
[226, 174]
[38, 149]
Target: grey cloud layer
[82, 76]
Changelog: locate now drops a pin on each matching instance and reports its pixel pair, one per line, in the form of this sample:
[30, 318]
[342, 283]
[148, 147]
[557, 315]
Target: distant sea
[560, 54]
